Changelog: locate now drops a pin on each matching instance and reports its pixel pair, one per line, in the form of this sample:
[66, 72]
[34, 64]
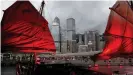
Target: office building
[55, 33]
[71, 32]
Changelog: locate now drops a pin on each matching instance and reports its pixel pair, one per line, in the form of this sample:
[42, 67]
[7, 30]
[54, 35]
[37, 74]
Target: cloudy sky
[89, 15]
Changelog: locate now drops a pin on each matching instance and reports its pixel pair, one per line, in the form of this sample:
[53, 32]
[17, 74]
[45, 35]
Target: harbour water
[10, 70]
[123, 70]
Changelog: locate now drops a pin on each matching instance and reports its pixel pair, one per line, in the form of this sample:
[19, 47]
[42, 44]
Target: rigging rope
[48, 14]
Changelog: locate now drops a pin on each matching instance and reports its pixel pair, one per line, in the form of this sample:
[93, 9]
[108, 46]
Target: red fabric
[24, 27]
[117, 47]
[120, 20]
[127, 46]
[119, 31]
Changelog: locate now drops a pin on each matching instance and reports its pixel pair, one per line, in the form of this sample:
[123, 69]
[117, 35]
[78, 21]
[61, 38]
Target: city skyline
[68, 38]
[73, 42]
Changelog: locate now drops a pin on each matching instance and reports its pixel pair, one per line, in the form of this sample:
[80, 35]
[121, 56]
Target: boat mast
[41, 8]
[131, 3]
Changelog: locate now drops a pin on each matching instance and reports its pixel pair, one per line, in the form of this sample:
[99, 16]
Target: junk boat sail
[119, 32]
[25, 30]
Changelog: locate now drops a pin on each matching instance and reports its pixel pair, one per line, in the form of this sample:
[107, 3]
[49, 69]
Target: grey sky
[88, 14]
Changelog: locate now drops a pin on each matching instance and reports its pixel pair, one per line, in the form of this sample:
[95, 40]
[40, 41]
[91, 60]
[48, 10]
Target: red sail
[25, 30]
[121, 20]
[119, 32]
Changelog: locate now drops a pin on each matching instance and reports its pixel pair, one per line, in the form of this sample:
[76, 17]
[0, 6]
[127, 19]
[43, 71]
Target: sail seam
[121, 15]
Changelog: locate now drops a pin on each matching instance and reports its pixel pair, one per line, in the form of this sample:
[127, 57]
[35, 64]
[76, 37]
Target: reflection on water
[109, 69]
[104, 69]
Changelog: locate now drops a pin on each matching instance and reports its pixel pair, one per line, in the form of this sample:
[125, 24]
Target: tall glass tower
[56, 33]
[71, 33]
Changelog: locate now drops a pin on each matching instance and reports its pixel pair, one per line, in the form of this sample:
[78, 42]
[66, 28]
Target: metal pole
[60, 37]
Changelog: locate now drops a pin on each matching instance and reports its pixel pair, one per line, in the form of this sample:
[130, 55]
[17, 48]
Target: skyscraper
[79, 39]
[91, 37]
[71, 33]
[56, 33]
[94, 38]
[86, 38]
[97, 40]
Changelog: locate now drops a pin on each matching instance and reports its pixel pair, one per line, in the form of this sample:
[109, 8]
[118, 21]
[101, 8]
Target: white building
[55, 32]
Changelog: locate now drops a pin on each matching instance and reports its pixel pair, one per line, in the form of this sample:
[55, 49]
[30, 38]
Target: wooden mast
[131, 3]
